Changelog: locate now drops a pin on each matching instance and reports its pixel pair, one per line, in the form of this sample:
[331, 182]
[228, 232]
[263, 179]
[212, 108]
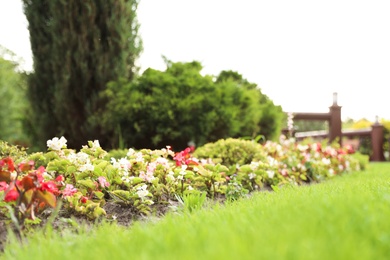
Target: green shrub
[231, 151]
[16, 152]
[180, 105]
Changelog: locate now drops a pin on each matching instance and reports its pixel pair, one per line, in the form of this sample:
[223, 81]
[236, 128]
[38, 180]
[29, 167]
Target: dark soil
[122, 215]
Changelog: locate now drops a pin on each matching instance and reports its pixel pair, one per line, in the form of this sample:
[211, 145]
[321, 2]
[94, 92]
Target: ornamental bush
[231, 152]
[179, 106]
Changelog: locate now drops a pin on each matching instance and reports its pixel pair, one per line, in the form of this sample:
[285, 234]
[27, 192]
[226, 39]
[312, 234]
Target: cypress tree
[78, 47]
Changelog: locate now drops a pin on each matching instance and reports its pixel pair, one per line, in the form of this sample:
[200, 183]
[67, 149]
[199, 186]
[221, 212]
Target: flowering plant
[26, 189]
[86, 180]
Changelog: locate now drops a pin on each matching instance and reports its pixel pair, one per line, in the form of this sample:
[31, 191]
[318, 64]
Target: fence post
[377, 142]
[335, 121]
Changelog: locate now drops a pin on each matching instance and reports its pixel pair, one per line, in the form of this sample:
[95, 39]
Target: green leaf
[99, 194]
[87, 183]
[98, 171]
[121, 194]
[99, 212]
[246, 168]
[222, 168]
[137, 180]
[103, 164]
[71, 169]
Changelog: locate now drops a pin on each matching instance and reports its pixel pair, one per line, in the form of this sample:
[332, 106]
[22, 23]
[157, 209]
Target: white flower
[86, 167]
[272, 161]
[72, 157]
[56, 144]
[82, 158]
[190, 187]
[95, 144]
[122, 163]
[270, 174]
[139, 157]
[326, 161]
[254, 165]
[170, 175]
[251, 175]
[130, 152]
[302, 148]
[142, 191]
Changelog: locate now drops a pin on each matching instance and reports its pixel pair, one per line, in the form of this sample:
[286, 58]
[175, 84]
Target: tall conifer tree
[78, 47]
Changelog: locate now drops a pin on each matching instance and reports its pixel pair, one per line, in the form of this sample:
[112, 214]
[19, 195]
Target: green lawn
[347, 217]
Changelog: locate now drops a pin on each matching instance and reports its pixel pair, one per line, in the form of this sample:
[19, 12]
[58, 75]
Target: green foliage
[180, 106]
[78, 47]
[7, 150]
[192, 200]
[231, 151]
[228, 169]
[312, 125]
[116, 153]
[362, 159]
[344, 218]
[12, 99]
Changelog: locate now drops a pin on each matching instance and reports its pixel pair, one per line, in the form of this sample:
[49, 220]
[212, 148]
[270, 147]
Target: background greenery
[78, 47]
[180, 106]
[12, 99]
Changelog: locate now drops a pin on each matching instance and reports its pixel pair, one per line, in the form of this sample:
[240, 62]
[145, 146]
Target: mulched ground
[123, 215]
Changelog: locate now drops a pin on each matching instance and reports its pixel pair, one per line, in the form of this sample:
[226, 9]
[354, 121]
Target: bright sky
[298, 52]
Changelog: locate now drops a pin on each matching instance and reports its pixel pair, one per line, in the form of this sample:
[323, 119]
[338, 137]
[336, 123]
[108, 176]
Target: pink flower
[69, 190]
[3, 185]
[12, 195]
[103, 182]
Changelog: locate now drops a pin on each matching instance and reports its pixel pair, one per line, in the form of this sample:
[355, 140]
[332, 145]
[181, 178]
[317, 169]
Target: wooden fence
[375, 133]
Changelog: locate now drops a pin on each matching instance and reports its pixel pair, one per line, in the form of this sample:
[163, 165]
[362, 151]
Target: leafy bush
[180, 106]
[231, 151]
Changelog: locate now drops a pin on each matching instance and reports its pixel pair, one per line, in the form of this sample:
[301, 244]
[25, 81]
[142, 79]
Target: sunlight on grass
[344, 218]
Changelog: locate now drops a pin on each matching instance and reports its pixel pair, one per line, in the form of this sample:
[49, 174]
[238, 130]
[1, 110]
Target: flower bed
[90, 182]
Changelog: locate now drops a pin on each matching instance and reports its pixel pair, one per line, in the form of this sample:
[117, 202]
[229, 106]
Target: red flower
[12, 195]
[9, 162]
[83, 199]
[60, 178]
[50, 186]
[184, 157]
